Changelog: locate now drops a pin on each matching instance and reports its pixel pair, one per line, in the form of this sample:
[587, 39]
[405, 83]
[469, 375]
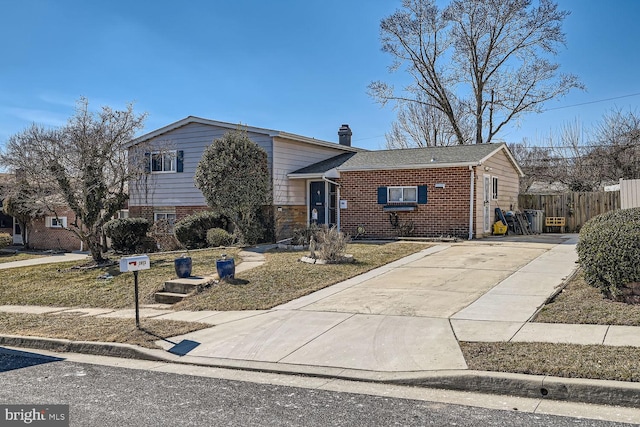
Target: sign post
[135, 264]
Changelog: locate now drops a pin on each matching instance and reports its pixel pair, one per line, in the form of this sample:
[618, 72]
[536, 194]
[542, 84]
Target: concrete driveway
[406, 316]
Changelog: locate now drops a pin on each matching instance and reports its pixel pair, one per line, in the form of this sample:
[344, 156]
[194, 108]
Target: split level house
[420, 192]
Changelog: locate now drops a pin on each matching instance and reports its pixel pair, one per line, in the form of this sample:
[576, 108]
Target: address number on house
[134, 263]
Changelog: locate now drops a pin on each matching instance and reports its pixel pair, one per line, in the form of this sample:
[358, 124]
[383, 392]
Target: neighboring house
[48, 232]
[168, 191]
[422, 192]
[6, 222]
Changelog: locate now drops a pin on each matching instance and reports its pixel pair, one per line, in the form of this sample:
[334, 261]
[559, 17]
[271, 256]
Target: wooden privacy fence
[577, 208]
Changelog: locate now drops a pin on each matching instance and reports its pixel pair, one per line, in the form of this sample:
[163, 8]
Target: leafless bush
[332, 244]
[162, 233]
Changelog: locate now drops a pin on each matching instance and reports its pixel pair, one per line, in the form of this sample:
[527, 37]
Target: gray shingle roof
[420, 157]
[405, 158]
[325, 165]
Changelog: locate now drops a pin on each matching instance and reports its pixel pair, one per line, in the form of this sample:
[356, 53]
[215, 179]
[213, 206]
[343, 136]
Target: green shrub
[5, 240]
[609, 250]
[127, 234]
[219, 237]
[192, 230]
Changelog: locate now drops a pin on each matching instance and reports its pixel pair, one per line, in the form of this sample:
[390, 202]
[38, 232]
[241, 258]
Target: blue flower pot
[226, 268]
[183, 267]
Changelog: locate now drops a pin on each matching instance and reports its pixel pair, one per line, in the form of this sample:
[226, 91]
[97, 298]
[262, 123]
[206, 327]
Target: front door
[487, 204]
[317, 203]
[17, 233]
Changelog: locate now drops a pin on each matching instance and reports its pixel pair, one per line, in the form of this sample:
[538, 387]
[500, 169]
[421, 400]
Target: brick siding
[445, 214]
[43, 237]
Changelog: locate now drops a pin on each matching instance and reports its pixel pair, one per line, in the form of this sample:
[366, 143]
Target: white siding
[508, 188]
[629, 193]
[290, 156]
[178, 189]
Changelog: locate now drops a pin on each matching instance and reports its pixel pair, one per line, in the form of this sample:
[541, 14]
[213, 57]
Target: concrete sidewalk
[46, 259]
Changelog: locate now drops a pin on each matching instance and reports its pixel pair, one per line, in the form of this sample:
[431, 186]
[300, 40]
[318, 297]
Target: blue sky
[296, 66]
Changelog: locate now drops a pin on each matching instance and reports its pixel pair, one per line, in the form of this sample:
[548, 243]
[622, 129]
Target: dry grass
[60, 285]
[279, 280]
[581, 303]
[283, 278]
[73, 327]
[11, 257]
[562, 360]
[578, 303]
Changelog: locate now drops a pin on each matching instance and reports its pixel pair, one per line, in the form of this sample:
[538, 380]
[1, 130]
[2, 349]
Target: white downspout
[471, 203]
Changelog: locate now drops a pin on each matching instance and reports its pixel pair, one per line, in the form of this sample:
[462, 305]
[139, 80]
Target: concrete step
[169, 297]
[188, 284]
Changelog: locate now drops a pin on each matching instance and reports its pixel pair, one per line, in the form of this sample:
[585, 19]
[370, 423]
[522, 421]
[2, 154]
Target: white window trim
[174, 161]
[56, 222]
[405, 187]
[156, 214]
[495, 187]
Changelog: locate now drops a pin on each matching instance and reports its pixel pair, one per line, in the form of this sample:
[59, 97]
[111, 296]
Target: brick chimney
[344, 135]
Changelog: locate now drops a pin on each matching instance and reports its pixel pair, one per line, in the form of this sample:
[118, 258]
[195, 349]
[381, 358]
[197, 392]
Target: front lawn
[89, 328]
[578, 303]
[560, 360]
[62, 285]
[581, 303]
[279, 280]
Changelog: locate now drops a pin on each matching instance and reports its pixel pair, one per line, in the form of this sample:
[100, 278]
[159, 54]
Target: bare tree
[83, 166]
[536, 162]
[618, 144]
[488, 56]
[419, 125]
[574, 163]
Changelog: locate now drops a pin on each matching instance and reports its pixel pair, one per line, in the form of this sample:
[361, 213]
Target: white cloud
[31, 115]
[55, 98]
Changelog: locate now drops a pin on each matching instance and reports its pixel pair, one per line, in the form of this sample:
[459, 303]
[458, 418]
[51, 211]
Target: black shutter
[180, 161]
[382, 195]
[422, 194]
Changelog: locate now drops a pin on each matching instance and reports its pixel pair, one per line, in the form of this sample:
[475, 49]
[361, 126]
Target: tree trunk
[95, 248]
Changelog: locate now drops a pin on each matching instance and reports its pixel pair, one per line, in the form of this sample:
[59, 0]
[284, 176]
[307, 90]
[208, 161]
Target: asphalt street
[116, 396]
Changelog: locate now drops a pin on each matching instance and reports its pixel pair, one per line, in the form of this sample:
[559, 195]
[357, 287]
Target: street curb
[125, 351]
[602, 392]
